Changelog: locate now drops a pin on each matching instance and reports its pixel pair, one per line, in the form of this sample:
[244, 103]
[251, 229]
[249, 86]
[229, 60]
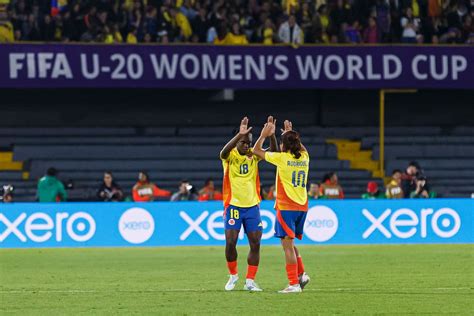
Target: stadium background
[35, 122]
[387, 256]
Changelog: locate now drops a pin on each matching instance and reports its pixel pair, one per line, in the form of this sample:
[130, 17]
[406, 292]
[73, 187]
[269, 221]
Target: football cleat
[291, 289]
[250, 285]
[230, 285]
[304, 279]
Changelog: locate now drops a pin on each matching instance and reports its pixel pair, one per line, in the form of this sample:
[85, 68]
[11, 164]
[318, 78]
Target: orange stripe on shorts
[283, 224]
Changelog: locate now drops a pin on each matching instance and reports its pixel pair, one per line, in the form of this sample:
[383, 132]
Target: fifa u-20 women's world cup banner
[237, 67]
[30, 225]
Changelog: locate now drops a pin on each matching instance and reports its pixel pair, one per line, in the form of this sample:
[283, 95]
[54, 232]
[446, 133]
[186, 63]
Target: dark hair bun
[291, 142]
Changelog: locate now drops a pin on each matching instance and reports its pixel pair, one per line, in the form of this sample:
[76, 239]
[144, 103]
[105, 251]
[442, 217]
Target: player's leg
[291, 265]
[290, 258]
[254, 238]
[285, 230]
[231, 237]
[299, 226]
[253, 227]
[303, 277]
[253, 260]
[299, 261]
[232, 223]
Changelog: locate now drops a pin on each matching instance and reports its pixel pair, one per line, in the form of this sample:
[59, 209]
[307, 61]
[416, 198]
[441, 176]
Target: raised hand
[287, 126]
[268, 130]
[271, 121]
[244, 129]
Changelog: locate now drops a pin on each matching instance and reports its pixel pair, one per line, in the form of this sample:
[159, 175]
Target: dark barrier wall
[151, 107]
[237, 67]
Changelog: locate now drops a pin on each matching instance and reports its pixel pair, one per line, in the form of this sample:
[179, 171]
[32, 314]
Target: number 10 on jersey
[298, 178]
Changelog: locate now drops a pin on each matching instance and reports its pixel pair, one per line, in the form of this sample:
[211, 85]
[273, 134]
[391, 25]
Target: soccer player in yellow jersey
[241, 195]
[291, 201]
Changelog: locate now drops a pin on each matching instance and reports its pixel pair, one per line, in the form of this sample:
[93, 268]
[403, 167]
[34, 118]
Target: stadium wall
[170, 107]
[31, 225]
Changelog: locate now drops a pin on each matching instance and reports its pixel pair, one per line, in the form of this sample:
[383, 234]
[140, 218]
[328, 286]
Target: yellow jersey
[129, 4]
[268, 36]
[394, 190]
[232, 39]
[131, 38]
[6, 33]
[241, 185]
[183, 23]
[218, 41]
[291, 180]
[325, 21]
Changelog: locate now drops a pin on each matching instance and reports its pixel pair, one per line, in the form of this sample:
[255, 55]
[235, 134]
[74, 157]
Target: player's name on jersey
[297, 163]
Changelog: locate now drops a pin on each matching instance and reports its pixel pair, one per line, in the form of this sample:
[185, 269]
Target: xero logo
[136, 225]
[210, 225]
[405, 223]
[321, 223]
[40, 227]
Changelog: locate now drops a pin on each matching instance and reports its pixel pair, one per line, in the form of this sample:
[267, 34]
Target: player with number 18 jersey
[241, 186]
[241, 195]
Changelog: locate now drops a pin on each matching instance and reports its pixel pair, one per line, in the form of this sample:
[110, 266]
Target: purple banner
[249, 67]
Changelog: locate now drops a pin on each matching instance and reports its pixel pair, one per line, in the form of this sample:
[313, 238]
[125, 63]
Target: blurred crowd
[411, 183]
[51, 189]
[238, 22]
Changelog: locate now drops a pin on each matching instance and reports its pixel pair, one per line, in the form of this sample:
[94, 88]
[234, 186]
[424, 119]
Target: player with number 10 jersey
[291, 197]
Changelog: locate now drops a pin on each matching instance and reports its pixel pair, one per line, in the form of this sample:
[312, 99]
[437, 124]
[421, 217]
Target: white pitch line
[206, 290]
[101, 291]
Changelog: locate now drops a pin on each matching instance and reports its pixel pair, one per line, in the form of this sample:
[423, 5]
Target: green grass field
[410, 279]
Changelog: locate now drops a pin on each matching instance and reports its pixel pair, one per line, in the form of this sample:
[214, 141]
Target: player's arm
[160, 192]
[273, 140]
[62, 192]
[267, 131]
[243, 130]
[274, 144]
[288, 126]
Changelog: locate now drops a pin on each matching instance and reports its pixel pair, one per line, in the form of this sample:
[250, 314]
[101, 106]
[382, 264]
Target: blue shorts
[235, 216]
[290, 223]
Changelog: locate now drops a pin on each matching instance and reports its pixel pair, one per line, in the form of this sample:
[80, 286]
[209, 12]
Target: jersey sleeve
[231, 155]
[62, 191]
[273, 157]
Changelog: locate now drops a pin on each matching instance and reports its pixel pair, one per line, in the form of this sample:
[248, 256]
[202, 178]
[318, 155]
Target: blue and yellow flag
[57, 6]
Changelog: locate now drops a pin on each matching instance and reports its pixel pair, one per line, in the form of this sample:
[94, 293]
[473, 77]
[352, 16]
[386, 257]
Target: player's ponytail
[291, 142]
